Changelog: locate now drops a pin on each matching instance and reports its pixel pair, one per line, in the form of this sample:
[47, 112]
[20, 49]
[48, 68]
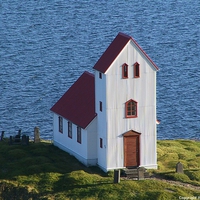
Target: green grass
[185, 151]
[42, 171]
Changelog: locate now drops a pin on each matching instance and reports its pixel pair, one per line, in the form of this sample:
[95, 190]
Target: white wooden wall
[80, 151]
[100, 88]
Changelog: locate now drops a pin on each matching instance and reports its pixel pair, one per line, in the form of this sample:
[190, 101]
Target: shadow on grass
[67, 182]
[38, 158]
[77, 189]
[46, 169]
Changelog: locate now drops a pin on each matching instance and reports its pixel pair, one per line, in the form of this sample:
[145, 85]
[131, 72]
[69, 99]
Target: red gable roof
[114, 50]
[78, 103]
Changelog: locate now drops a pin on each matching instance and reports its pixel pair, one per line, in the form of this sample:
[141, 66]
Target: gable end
[114, 50]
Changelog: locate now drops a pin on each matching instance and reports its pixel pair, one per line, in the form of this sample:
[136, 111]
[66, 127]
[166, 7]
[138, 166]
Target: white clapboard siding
[114, 91]
[81, 151]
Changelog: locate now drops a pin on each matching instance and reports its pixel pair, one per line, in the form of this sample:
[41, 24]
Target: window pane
[60, 124]
[100, 106]
[100, 75]
[79, 135]
[70, 129]
[133, 112]
[136, 70]
[101, 143]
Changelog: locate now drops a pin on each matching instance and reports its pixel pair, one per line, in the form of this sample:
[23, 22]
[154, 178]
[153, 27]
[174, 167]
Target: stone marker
[27, 140]
[141, 171]
[23, 140]
[19, 132]
[2, 135]
[179, 168]
[17, 139]
[36, 135]
[11, 140]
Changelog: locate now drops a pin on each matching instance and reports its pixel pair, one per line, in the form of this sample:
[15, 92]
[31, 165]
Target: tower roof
[114, 50]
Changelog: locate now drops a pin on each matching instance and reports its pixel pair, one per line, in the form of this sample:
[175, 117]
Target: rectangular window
[69, 129]
[100, 106]
[79, 134]
[60, 119]
[136, 70]
[124, 70]
[101, 143]
[100, 75]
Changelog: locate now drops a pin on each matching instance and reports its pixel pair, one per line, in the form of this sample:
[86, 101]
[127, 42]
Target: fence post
[116, 176]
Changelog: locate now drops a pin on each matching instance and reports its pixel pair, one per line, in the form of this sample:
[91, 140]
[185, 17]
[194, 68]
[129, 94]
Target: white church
[108, 118]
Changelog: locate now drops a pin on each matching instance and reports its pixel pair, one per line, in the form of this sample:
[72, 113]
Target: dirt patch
[178, 183]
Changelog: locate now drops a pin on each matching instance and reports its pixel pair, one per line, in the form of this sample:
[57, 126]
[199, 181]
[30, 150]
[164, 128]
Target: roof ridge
[88, 73]
[125, 35]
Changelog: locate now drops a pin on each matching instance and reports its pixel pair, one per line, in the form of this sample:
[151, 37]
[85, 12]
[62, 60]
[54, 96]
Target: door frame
[132, 133]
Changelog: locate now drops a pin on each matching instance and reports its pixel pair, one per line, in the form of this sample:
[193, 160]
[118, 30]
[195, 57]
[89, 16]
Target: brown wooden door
[131, 151]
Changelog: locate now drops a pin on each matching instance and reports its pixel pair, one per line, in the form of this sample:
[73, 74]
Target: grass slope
[42, 171]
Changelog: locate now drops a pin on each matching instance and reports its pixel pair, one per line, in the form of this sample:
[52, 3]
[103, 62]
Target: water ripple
[46, 45]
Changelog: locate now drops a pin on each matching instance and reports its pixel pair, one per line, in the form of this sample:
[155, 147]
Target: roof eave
[145, 54]
[85, 127]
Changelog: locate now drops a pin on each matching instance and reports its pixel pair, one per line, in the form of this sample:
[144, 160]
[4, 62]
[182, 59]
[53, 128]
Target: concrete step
[136, 173]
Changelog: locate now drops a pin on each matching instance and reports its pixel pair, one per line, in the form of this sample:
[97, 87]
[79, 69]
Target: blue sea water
[46, 45]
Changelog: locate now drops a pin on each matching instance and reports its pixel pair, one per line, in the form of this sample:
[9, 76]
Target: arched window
[136, 70]
[131, 109]
[124, 70]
